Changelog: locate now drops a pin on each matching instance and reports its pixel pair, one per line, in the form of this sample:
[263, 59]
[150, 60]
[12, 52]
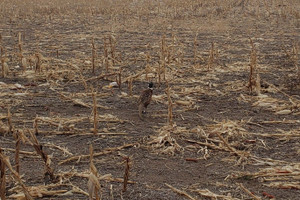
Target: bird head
[150, 85]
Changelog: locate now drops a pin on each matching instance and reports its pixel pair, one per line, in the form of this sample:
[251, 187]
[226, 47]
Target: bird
[145, 99]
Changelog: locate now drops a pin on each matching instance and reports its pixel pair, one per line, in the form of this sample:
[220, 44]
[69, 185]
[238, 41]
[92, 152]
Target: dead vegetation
[224, 117]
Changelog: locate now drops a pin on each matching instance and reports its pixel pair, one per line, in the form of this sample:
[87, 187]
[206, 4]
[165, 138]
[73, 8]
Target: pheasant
[145, 99]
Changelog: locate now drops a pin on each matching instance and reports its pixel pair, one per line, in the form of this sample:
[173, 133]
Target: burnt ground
[261, 132]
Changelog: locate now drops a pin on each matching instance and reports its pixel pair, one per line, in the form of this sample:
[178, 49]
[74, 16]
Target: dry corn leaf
[180, 192]
[3, 85]
[93, 184]
[284, 185]
[37, 191]
[207, 193]
[124, 94]
[87, 62]
[158, 97]
[284, 112]
[183, 103]
[108, 117]
[149, 75]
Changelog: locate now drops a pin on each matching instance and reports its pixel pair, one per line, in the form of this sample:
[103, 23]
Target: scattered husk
[24, 189]
[284, 185]
[39, 192]
[164, 142]
[104, 152]
[192, 87]
[180, 192]
[248, 192]
[207, 193]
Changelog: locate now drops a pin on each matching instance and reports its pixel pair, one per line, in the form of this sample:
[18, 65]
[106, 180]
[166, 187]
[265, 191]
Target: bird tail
[141, 111]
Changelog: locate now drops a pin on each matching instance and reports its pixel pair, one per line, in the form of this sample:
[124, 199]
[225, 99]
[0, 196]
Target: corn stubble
[38, 63]
[211, 58]
[109, 48]
[2, 178]
[93, 55]
[126, 174]
[23, 60]
[17, 153]
[95, 113]
[254, 83]
[293, 80]
[49, 171]
[170, 106]
[9, 122]
[167, 61]
[94, 186]
[5, 69]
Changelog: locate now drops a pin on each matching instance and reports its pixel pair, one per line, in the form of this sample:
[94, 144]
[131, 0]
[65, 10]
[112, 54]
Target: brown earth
[211, 101]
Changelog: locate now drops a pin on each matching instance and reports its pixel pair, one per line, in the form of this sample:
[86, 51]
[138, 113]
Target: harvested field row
[223, 122]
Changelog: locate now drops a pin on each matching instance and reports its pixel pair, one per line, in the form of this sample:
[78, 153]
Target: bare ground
[261, 132]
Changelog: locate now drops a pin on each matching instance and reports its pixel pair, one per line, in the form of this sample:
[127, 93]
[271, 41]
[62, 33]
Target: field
[224, 121]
